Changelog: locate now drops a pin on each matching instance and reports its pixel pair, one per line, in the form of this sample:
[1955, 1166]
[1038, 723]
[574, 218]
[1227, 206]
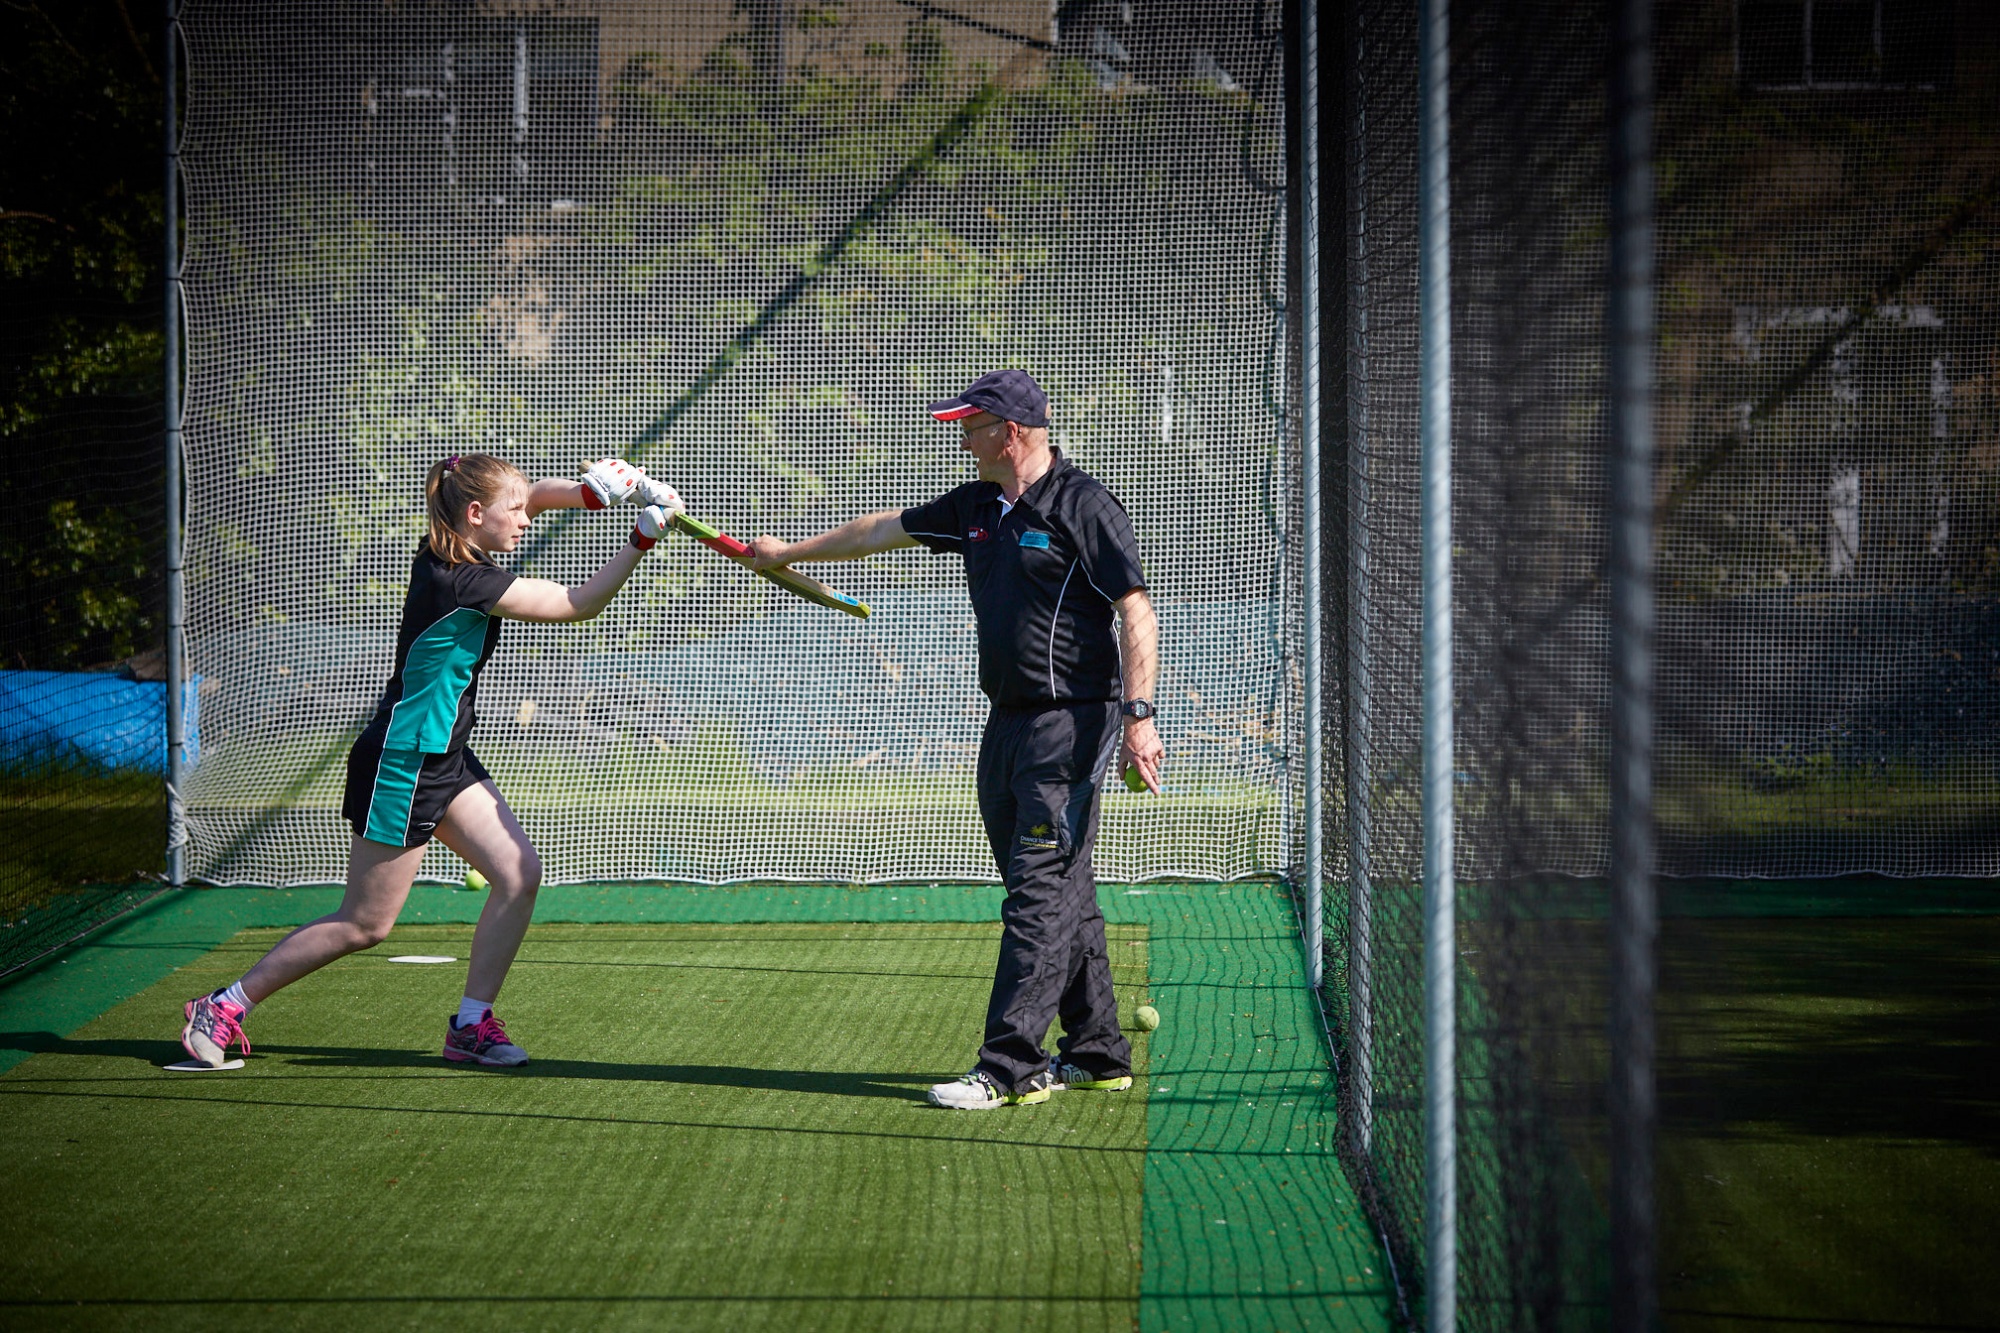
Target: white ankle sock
[470, 1011]
[234, 994]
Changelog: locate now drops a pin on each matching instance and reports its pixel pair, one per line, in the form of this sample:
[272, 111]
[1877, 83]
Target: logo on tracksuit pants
[1041, 836]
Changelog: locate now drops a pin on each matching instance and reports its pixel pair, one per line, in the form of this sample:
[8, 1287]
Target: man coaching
[1049, 557]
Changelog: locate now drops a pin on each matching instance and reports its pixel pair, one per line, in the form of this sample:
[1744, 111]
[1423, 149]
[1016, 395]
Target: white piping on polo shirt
[1055, 616]
[1100, 592]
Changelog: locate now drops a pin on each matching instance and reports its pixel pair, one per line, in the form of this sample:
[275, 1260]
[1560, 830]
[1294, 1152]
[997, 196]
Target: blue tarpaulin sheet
[90, 717]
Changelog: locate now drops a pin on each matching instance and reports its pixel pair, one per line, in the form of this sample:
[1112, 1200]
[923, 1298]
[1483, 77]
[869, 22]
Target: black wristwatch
[1138, 710]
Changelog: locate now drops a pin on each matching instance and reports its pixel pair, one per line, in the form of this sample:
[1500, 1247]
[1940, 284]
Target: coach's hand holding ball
[1142, 752]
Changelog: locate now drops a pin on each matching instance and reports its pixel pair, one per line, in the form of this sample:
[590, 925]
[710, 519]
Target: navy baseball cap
[1011, 395]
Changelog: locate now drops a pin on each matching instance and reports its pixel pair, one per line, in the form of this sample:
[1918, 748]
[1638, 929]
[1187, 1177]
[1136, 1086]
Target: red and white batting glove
[652, 525]
[609, 481]
[652, 491]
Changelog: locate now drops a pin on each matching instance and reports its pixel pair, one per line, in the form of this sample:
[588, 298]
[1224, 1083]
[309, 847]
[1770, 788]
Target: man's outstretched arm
[864, 536]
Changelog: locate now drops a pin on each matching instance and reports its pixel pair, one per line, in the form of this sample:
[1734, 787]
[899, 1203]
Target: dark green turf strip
[1830, 1123]
[722, 1128]
[1250, 1223]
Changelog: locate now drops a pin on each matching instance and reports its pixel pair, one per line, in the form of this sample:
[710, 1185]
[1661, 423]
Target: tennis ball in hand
[474, 880]
[1148, 1016]
[1133, 782]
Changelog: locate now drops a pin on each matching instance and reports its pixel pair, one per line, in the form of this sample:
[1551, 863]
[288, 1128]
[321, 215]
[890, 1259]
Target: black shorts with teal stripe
[398, 796]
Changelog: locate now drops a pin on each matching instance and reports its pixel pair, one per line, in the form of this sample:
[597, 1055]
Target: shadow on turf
[842, 1083]
[1829, 1029]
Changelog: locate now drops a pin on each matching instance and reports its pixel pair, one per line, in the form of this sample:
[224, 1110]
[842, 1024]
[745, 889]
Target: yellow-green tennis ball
[474, 880]
[1148, 1016]
[1133, 781]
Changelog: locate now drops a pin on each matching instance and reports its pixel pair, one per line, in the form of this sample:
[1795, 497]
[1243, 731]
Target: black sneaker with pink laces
[481, 1043]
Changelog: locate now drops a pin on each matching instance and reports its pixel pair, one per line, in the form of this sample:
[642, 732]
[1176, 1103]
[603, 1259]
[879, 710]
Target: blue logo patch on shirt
[1038, 540]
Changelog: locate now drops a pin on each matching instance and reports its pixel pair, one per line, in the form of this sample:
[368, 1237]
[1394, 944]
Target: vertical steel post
[176, 587]
[1307, 104]
[1628, 515]
[1357, 641]
[1440, 949]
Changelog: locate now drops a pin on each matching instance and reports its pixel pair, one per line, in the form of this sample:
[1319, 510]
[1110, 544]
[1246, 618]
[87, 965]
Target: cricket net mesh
[1829, 516]
[742, 245]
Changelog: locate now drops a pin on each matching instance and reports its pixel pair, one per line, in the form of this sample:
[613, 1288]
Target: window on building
[1839, 44]
[488, 110]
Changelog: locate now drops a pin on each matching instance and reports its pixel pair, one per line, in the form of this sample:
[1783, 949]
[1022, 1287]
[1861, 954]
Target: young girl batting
[410, 776]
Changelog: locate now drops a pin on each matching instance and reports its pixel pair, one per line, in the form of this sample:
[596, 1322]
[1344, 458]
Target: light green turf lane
[723, 1128]
[793, 1055]
[69, 989]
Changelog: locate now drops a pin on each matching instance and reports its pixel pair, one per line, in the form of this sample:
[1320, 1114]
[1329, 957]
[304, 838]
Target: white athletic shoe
[977, 1091]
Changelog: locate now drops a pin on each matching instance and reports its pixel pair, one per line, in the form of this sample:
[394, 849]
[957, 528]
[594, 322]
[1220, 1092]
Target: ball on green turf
[474, 880]
[1148, 1016]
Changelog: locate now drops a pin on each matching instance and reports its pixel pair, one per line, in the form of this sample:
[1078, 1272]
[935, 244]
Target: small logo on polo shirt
[428, 825]
[977, 534]
[1038, 540]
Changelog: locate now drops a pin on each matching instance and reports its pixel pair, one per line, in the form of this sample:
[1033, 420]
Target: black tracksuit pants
[1040, 770]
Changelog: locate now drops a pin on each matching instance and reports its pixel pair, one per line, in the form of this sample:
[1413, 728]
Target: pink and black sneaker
[212, 1023]
[483, 1043]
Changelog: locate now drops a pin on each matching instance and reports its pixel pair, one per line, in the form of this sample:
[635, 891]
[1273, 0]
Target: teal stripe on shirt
[436, 675]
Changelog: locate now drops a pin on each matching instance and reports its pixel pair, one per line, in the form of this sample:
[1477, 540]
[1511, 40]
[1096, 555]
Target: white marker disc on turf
[423, 958]
[197, 1067]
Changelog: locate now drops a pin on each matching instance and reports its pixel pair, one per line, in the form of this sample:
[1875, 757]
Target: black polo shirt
[1043, 582]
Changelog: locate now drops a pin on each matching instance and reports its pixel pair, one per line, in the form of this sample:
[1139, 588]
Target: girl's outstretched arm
[555, 493]
[608, 481]
[550, 602]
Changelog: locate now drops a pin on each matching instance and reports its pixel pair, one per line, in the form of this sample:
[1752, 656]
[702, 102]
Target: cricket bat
[793, 582]
[784, 576]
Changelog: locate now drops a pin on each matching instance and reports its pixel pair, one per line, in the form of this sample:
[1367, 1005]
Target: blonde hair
[455, 483]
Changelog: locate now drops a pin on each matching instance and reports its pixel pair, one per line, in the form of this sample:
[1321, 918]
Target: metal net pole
[1307, 103]
[1358, 681]
[1440, 951]
[1628, 520]
[176, 583]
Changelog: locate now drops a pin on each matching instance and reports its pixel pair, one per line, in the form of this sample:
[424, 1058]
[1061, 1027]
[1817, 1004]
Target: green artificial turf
[1250, 1223]
[1830, 1123]
[723, 1127]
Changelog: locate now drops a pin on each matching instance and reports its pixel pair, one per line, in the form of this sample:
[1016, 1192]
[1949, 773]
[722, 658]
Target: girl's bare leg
[378, 881]
[481, 829]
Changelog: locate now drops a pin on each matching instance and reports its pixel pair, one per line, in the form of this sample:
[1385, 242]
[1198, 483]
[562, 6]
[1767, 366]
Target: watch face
[1138, 708]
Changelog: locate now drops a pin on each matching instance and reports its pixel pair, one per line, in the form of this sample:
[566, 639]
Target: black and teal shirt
[1044, 578]
[449, 631]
